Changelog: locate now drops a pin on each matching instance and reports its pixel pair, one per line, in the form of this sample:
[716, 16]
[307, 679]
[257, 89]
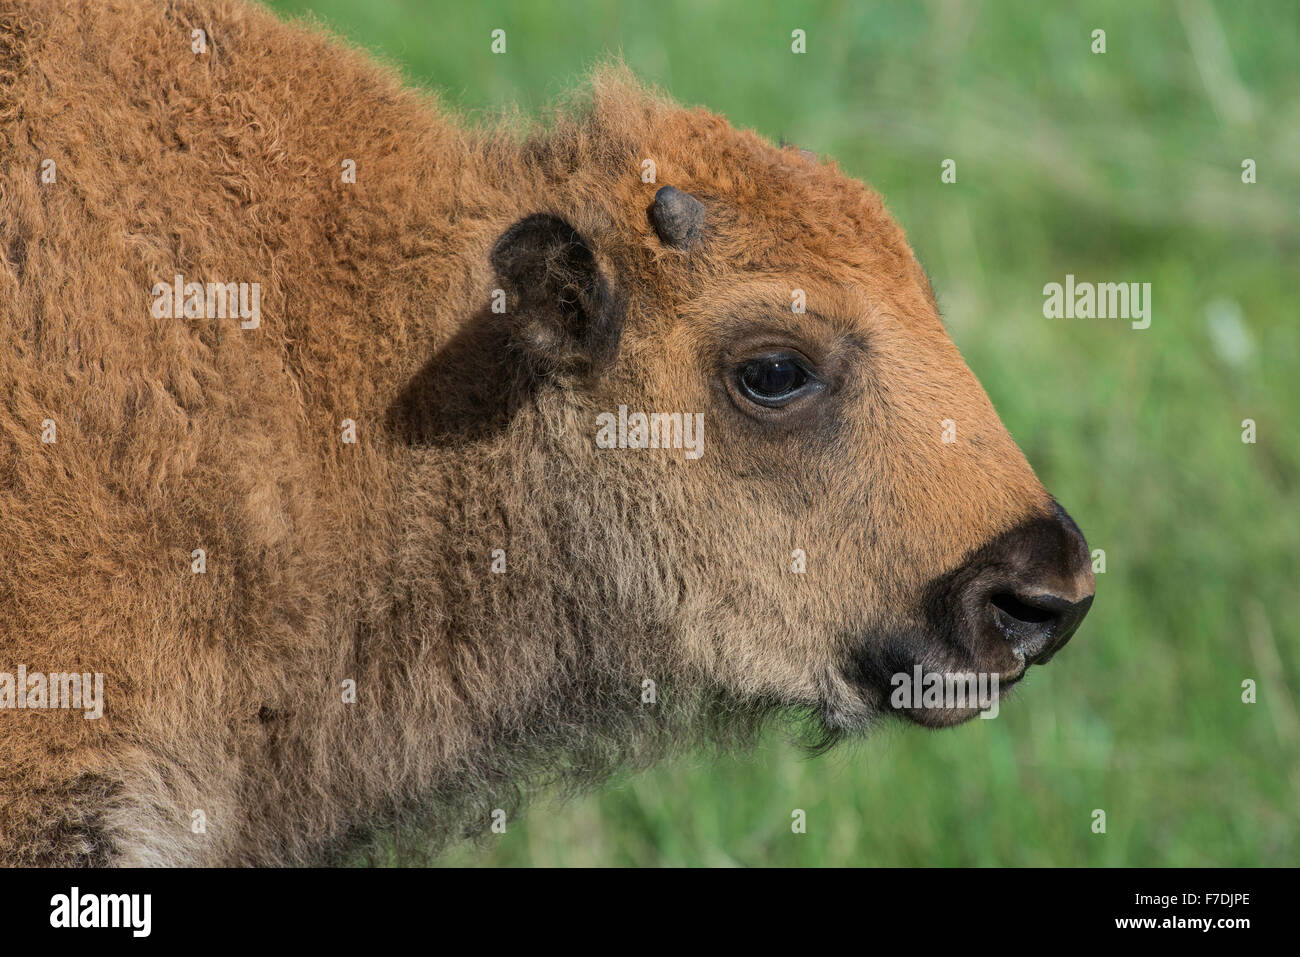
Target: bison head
[749, 458]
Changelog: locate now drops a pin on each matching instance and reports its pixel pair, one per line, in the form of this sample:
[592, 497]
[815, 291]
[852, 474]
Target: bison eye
[776, 379]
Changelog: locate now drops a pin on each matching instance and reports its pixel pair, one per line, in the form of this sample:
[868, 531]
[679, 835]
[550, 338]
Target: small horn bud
[677, 217]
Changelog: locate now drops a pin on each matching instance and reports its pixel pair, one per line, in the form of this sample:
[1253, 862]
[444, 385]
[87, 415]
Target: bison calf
[360, 466]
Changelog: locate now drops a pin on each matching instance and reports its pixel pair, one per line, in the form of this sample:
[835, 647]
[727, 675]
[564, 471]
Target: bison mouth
[914, 675]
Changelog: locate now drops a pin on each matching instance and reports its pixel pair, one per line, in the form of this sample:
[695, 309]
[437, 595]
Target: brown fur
[371, 561]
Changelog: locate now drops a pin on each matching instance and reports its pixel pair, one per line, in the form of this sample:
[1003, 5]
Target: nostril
[1037, 625]
[1031, 627]
[1021, 611]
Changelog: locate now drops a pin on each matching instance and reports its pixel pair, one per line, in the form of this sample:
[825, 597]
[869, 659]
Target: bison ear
[563, 313]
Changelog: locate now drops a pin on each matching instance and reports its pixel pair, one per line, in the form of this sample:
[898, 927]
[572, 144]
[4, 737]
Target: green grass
[1121, 166]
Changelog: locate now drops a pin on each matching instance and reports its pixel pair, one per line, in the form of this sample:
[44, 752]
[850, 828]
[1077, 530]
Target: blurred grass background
[1123, 166]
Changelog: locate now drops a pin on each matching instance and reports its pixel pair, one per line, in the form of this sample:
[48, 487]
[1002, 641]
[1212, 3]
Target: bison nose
[1035, 588]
